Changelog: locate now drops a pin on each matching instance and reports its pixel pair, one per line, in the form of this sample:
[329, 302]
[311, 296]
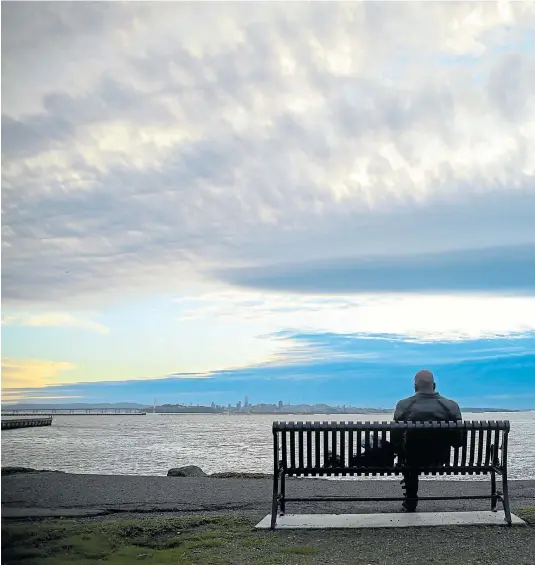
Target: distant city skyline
[282, 200]
[251, 409]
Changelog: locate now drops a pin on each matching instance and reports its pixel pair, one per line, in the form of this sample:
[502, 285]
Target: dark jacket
[432, 445]
[427, 407]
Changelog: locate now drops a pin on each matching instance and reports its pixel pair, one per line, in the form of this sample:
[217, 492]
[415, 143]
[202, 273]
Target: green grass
[179, 541]
[226, 540]
[527, 514]
[300, 550]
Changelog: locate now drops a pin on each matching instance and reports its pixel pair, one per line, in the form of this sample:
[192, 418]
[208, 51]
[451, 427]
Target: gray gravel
[250, 497]
[413, 546]
[54, 494]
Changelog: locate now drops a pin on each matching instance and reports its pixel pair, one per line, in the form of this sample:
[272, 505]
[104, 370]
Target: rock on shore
[239, 475]
[194, 471]
[15, 470]
[187, 471]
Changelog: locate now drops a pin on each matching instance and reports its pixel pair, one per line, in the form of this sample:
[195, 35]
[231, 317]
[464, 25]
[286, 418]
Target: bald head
[424, 381]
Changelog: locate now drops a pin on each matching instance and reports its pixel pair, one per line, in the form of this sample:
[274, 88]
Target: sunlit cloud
[426, 317]
[30, 373]
[53, 320]
[10, 396]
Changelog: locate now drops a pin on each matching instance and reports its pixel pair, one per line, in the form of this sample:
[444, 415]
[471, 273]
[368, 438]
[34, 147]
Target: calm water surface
[152, 444]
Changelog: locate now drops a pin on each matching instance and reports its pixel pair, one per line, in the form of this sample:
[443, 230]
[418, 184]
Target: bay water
[154, 443]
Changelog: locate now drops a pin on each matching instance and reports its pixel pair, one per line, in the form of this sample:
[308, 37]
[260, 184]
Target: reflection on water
[152, 444]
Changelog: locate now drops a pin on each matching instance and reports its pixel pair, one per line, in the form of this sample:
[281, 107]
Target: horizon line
[66, 406]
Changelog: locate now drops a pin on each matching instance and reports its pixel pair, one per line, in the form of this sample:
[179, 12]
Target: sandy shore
[61, 493]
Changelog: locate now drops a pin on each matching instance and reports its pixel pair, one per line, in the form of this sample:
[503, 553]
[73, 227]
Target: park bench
[316, 449]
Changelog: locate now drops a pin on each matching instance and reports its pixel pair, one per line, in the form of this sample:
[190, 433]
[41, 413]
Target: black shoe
[408, 506]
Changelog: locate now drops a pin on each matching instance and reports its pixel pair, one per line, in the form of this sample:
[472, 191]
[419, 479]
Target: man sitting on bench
[423, 447]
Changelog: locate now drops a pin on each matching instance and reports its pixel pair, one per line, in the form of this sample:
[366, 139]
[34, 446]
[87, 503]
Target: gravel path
[250, 497]
[413, 546]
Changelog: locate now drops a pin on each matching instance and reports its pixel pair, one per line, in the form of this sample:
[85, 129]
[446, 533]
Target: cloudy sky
[296, 201]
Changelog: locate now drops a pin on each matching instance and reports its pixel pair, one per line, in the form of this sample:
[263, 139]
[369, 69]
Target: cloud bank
[287, 171]
[177, 145]
[432, 317]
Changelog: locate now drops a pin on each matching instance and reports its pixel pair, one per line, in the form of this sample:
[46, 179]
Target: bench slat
[309, 446]
[292, 448]
[343, 458]
[317, 444]
[496, 454]
[435, 426]
[301, 451]
[383, 441]
[350, 434]
[427, 426]
[284, 449]
[334, 442]
[359, 442]
[456, 458]
[326, 448]
[464, 448]
[367, 440]
[472, 447]
[446, 426]
[488, 447]
[375, 441]
[480, 438]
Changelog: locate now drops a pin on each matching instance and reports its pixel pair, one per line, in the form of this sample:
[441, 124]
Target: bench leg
[283, 494]
[275, 500]
[493, 493]
[505, 498]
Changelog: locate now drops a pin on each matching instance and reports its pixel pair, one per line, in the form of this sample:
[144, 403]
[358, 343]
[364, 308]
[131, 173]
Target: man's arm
[459, 437]
[456, 411]
[396, 436]
[398, 412]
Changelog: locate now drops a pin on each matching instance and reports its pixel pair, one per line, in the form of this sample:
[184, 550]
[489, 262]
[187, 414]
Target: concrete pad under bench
[394, 520]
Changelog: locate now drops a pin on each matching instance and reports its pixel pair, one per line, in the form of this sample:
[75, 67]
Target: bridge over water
[76, 412]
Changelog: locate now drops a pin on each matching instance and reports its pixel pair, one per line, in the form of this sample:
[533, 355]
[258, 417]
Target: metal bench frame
[306, 447]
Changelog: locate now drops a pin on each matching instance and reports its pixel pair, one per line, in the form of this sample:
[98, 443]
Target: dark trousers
[410, 484]
[410, 478]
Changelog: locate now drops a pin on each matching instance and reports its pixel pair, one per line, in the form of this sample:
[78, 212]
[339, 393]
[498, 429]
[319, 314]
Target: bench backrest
[328, 448]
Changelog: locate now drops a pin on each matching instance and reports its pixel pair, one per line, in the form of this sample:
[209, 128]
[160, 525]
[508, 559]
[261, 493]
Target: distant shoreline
[262, 409]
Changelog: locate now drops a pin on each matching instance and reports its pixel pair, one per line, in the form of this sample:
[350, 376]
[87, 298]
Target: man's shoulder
[448, 401]
[406, 401]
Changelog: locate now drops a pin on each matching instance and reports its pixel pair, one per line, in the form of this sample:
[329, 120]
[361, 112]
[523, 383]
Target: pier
[77, 412]
[26, 423]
